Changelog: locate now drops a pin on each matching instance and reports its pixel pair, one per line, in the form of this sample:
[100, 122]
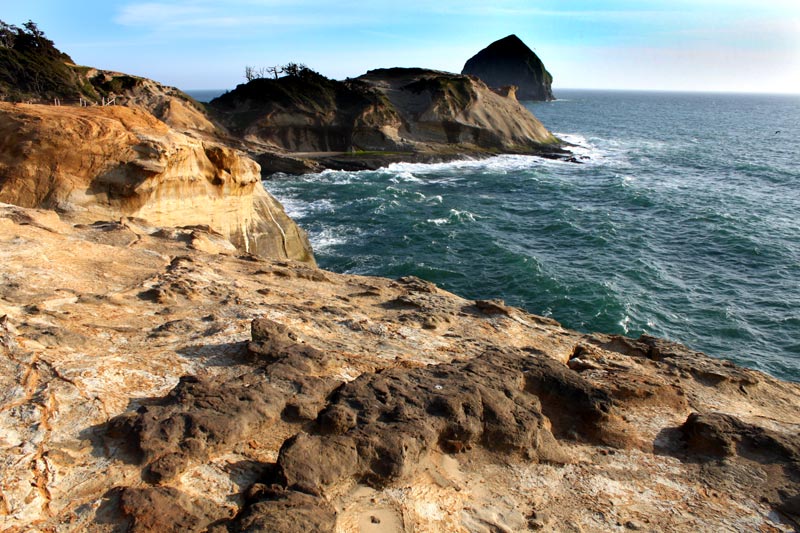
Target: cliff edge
[509, 61]
[148, 385]
[101, 163]
[384, 115]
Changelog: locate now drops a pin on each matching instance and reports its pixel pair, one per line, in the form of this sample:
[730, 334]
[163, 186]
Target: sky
[683, 45]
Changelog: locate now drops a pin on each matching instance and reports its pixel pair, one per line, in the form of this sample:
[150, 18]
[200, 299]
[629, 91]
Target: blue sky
[701, 45]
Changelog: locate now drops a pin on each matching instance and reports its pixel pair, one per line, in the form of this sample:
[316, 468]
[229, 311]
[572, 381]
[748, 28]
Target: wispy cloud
[239, 14]
[149, 14]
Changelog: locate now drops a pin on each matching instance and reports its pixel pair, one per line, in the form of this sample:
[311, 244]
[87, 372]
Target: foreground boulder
[509, 61]
[104, 163]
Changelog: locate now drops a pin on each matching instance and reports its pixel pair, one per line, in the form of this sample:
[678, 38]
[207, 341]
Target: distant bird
[777, 132]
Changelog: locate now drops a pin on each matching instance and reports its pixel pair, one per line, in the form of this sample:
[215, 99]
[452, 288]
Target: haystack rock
[104, 163]
[509, 61]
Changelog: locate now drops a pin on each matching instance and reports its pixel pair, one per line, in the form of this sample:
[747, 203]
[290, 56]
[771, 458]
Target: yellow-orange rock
[110, 162]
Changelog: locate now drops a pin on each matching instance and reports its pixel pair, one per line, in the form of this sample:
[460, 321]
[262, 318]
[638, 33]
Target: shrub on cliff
[31, 67]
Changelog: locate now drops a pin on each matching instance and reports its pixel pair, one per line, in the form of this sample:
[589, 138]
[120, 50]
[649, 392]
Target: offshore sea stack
[105, 163]
[509, 61]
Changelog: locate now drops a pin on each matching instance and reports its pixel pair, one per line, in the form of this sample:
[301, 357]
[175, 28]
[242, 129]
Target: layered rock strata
[148, 385]
[386, 115]
[104, 163]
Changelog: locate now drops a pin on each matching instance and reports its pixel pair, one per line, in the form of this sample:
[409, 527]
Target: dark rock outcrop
[509, 61]
[167, 510]
[746, 457]
[200, 417]
[273, 509]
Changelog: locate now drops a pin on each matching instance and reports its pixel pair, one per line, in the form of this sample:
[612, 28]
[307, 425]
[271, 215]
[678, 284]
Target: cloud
[239, 14]
[149, 14]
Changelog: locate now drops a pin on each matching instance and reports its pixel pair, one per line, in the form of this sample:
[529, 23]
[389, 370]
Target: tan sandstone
[148, 385]
[104, 163]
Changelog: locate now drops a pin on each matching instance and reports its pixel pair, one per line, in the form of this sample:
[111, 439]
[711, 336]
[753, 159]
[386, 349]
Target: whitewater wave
[295, 208]
[589, 150]
[404, 176]
[500, 163]
[455, 217]
[299, 209]
[329, 237]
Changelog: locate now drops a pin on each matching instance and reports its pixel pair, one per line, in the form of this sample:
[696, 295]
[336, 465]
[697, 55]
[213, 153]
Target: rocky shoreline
[173, 360]
[150, 385]
[304, 163]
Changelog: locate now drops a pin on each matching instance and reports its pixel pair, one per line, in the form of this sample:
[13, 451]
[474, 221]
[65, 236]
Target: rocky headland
[509, 62]
[104, 163]
[301, 122]
[304, 122]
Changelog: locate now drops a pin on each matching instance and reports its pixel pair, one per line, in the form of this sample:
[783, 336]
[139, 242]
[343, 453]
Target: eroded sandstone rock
[311, 401]
[383, 114]
[112, 162]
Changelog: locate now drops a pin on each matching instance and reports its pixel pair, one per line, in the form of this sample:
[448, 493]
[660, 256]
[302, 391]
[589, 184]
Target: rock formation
[103, 163]
[509, 61]
[444, 109]
[390, 113]
[302, 122]
[149, 385]
[155, 377]
[168, 104]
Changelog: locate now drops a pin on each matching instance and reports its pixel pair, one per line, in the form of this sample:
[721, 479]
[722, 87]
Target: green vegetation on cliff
[31, 67]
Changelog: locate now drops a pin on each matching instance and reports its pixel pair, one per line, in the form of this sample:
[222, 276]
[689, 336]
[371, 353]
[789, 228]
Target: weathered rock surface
[509, 61]
[443, 108]
[149, 385]
[104, 163]
[388, 114]
[168, 104]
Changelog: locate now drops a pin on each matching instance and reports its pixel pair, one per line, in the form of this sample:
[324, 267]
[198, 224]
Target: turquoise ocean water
[681, 223]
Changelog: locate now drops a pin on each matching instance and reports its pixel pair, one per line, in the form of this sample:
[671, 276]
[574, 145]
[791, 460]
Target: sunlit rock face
[104, 163]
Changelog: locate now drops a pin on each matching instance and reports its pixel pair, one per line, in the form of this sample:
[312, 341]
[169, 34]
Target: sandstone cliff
[103, 163]
[509, 61]
[168, 104]
[147, 385]
[439, 108]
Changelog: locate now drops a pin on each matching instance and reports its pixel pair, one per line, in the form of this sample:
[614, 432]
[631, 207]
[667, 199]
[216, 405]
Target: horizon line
[608, 89]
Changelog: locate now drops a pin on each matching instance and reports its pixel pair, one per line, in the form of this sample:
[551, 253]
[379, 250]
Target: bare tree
[274, 71]
[253, 73]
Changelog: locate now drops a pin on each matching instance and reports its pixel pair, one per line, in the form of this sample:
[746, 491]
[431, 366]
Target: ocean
[682, 222]
[204, 95]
